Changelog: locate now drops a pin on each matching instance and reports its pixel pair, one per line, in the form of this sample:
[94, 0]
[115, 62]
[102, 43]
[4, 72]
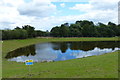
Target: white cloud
[69, 0]
[8, 12]
[82, 7]
[18, 13]
[37, 8]
[103, 10]
[11, 3]
[38, 13]
[62, 5]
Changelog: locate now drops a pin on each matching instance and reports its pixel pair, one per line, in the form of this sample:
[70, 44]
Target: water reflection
[26, 51]
[57, 51]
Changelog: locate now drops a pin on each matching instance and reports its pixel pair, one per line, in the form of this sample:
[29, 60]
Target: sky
[45, 14]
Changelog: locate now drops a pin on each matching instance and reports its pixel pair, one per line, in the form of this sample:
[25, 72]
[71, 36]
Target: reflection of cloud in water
[42, 54]
[63, 58]
[116, 49]
[96, 51]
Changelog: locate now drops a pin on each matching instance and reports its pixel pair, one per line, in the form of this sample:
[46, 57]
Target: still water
[59, 51]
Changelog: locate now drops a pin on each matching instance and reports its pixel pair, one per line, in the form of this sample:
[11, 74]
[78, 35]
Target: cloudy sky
[45, 14]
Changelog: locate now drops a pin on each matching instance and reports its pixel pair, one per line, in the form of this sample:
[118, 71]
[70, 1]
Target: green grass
[103, 66]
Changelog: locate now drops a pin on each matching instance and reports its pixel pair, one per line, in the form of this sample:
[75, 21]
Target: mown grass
[103, 66]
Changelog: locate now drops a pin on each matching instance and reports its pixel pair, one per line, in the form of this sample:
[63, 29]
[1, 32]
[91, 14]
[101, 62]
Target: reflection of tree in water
[56, 45]
[60, 46]
[85, 46]
[108, 44]
[63, 47]
[26, 51]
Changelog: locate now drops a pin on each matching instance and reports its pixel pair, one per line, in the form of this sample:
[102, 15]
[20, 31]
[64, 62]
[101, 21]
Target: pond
[59, 51]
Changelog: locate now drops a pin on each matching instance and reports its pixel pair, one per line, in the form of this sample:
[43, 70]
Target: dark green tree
[55, 31]
[75, 30]
[64, 31]
[30, 30]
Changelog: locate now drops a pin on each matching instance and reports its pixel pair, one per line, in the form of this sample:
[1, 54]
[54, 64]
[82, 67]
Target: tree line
[86, 29]
[26, 31]
[81, 28]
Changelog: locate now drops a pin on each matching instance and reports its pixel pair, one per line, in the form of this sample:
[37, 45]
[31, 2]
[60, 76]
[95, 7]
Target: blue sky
[65, 11]
[45, 14]
[27, 1]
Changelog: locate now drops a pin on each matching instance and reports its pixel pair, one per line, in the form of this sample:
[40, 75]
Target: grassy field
[103, 66]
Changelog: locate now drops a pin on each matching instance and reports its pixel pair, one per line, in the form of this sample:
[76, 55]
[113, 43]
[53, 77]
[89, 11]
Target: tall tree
[55, 31]
[75, 30]
[104, 30]
[64, 31]
[30, 30]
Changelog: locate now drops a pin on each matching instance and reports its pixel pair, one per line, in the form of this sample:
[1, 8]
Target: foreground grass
[103, 66]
